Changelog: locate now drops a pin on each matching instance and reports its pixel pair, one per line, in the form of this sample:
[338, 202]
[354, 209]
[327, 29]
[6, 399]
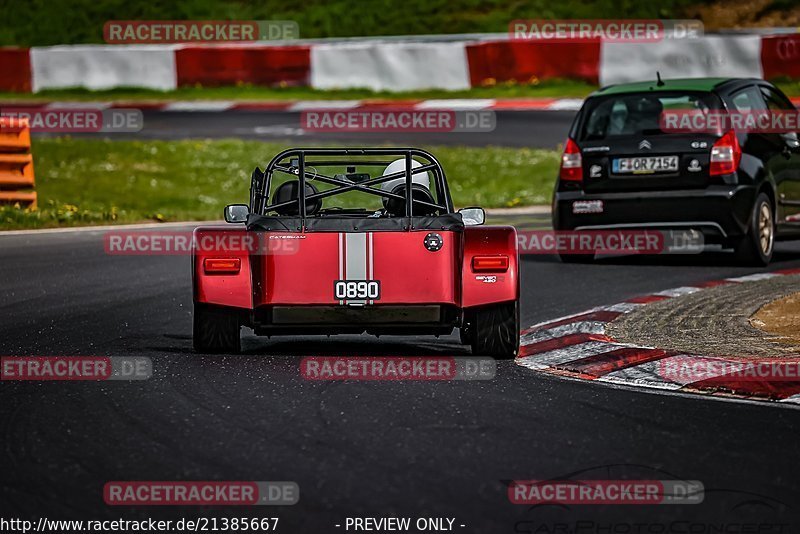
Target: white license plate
[357, 289]
[645, 165]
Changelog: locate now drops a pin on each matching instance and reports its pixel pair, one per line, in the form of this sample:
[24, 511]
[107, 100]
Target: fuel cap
[433, 241]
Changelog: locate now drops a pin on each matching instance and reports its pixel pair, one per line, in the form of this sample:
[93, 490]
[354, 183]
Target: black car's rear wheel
[757, 246]
[216, 330]
[495, 331]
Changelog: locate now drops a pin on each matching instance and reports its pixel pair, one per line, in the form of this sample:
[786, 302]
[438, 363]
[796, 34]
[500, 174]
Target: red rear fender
[485, 279]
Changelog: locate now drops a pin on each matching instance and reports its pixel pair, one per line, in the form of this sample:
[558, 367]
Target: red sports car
[328, 247]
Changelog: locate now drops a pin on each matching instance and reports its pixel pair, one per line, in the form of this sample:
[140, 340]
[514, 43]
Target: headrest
[291, 191]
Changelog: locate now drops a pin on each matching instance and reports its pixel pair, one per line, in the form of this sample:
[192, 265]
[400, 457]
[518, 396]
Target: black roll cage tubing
[260, 184]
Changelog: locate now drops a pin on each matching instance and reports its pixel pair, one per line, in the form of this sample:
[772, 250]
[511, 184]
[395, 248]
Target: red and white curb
[578, 346]
[211, 106]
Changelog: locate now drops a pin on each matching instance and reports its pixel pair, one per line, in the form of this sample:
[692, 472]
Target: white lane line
[673, 372]
[456, 103]
[567, 104]
[324, 104]
[752, 277]
[278, 129]
[554, 357]
[201, 105]
[78, 105]
[580, 327]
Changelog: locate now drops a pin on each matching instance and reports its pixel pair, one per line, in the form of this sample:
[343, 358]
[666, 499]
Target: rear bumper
[721, 212]
[379, 319]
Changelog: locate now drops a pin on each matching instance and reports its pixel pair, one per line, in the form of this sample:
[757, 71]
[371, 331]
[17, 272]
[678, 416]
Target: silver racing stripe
[355, 254]
[341, 261]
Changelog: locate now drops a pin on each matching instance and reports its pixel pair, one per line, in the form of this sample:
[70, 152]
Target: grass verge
[89, 182]
[553, 88]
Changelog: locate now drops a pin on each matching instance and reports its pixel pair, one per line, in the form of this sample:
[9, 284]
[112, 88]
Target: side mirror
[237, 213]
[473, 216]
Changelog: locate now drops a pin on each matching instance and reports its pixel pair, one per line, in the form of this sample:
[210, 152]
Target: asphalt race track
[536, 129]
[375, 449]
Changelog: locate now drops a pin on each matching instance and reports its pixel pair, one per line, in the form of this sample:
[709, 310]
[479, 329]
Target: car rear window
[638, 113]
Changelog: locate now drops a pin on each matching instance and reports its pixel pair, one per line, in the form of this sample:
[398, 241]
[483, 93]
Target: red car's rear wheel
[216, 330]
[495, 331]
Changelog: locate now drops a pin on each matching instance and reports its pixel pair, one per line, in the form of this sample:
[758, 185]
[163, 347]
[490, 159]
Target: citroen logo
[645, 144]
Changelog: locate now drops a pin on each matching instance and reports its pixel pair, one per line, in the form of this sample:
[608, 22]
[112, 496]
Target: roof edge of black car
[676, 84]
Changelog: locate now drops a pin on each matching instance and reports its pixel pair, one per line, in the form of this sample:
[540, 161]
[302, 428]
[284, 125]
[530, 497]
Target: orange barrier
[16, 163]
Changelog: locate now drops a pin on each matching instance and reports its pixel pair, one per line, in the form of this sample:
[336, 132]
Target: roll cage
[294, 162]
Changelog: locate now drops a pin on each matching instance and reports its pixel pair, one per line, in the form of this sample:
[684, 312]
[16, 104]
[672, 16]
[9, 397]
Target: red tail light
[571, 162]
[725, 155]
[490, 264]
[222, 265]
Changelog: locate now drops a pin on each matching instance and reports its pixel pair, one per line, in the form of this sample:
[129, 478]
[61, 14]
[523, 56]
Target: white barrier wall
[710, 56]
[103, 67]
[390, 66]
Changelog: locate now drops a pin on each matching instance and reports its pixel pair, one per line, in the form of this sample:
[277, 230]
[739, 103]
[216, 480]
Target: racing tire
[756, 248]
[576, 258]
[216, 331]
[496, 331]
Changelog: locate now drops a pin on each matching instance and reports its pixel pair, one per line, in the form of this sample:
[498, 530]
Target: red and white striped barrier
[579, 346]
[394, 65]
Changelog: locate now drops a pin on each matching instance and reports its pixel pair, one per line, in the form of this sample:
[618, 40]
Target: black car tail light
[571, 162]
[725, 155]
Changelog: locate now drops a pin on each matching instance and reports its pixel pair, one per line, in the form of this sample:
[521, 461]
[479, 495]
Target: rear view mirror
[237, 213]
[472, 216]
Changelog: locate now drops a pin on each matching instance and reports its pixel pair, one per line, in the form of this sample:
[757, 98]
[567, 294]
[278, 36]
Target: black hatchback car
[621, 170]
